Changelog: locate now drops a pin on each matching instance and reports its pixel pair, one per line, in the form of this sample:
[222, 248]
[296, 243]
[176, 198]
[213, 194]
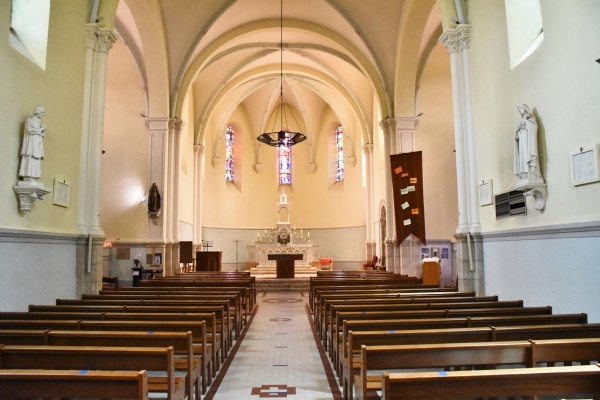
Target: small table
[285, 264]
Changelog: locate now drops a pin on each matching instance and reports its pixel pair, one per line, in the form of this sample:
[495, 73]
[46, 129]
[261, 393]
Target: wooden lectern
[431, 271]
[285, 264]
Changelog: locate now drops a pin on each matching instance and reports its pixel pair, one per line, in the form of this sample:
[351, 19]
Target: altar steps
[299, 270]
[282, 285]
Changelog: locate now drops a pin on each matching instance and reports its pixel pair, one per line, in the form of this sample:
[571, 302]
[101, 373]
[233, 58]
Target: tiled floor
[278, 357]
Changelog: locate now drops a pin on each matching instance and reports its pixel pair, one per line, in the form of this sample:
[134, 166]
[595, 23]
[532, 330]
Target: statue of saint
[154, 199]
[526, 164]
[32, 150]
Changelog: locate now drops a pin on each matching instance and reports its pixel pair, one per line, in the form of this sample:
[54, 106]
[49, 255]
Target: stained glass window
[339, 153]
[229, 154]
[285, 165]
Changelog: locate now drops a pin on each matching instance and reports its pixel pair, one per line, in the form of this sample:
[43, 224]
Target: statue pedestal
[536, 188]
[28, 192]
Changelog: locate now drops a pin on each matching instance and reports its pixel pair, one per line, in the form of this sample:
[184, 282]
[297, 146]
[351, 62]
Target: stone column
[389, 130]
[99, 42]
[450, 40]
[464, 41]
[370, 244]
[198, 164]
[178, 125]
[89, 249]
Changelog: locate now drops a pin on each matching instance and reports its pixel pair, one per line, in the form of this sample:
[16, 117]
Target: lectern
[285, 264]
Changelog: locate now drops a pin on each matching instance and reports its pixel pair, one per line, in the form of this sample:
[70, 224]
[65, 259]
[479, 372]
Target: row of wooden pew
[388, 338]
[168, 337]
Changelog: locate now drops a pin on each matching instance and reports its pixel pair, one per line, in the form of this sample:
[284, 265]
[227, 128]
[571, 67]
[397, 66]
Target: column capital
[388, 125]
[450, 41]
[367, 148]
[407, 123]
[104, 40]
[464, 36]
[199, 149]
[176, 124]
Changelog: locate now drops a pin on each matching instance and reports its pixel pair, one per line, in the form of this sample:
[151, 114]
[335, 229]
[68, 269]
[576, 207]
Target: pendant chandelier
[283, 137]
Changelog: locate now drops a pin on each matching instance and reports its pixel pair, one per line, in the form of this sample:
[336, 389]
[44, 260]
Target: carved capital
[199, 149]
[464, 36]
[352, 161]
[90, 35]
[104, 40]
[258, 167]
[388, 125]
[214, 161]
[367, 148]
[450, 41]
[311, 167]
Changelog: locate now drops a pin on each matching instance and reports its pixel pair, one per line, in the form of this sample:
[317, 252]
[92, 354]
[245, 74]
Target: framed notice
[62, 192]
[486, 193]
[584, 165]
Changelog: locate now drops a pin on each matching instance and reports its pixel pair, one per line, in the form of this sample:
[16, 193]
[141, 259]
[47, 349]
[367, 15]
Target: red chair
[371, 265]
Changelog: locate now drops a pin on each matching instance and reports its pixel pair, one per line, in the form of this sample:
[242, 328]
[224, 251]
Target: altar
[285, 239]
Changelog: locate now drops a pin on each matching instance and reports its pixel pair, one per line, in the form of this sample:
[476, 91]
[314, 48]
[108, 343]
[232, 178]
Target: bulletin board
[407, 184]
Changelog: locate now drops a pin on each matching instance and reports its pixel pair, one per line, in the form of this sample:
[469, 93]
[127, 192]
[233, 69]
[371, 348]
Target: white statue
[32, 150]
[526, 164]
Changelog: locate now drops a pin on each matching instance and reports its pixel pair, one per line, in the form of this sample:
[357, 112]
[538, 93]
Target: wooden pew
[73, 384]
[100, 358]
[457, 335]
[469, 355]
[181, 342]
[235, 301]
[218, 338]
[180, 281]
[493, 383]
[357, 325]
[229, 319]
[422, 304]
[203, 352]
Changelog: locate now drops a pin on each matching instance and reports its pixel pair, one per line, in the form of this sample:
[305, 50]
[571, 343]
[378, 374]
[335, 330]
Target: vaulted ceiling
[344, 54]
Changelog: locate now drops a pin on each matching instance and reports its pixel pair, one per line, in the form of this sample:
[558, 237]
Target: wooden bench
[197, 329]
[358, 324]
[229, 319]
[100, 358]
[218, 338]
[493, 383]
[469, 355]
[82, 384]
[422, 304]
[458, 335]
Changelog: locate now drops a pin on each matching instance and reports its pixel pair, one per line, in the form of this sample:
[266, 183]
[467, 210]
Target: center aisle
[278, 355]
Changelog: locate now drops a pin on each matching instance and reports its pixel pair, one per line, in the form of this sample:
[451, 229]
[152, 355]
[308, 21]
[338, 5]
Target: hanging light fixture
[283, 137]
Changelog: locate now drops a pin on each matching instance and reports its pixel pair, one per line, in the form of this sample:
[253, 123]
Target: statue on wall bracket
[154, 203]
[526, 158]
[28, 188]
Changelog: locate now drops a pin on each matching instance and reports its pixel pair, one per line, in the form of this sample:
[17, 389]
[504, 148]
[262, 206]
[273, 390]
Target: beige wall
[560, 84]
[59, 89]
[125, 164]
[317, 201]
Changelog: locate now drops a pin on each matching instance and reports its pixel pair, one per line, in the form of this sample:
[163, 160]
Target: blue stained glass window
[339, 153]
[285, 165]
[229, 154]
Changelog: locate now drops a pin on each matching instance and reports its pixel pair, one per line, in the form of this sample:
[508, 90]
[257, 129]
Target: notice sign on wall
[407, 183]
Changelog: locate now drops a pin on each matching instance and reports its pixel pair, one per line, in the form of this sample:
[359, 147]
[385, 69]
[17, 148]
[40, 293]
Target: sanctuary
[284, 239]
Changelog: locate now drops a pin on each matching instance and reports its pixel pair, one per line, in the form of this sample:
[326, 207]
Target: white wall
[36, 268]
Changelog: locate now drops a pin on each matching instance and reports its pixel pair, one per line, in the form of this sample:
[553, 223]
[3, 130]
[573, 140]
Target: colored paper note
[404, 191]
[404, 175]
[411, 188]
[414, 211]
[398, 170]
[405, 205]
[407, 222]
[413, 180]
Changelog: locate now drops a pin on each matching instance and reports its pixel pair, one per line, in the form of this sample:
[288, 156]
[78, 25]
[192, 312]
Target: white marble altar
[284, 239]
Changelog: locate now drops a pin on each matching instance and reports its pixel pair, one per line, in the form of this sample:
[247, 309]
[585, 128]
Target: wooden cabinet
[208, 260]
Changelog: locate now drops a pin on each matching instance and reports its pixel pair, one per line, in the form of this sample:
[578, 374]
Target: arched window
[229, 154]
[29, 23]
[285, 165]
[525, 28]
[339, 153]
